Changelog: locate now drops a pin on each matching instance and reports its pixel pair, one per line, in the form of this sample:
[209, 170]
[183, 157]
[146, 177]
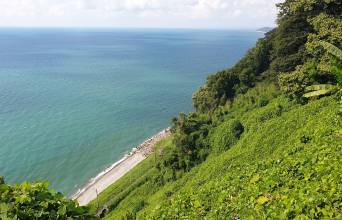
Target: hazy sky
[139, 13]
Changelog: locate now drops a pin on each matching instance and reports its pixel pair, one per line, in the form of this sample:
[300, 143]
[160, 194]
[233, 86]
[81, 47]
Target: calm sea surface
[73, 101]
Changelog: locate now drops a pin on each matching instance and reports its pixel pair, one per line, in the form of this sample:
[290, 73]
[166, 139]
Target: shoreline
[110, 175]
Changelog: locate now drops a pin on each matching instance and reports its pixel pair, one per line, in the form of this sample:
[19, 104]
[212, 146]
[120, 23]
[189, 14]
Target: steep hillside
[285, 164]
[264, 140]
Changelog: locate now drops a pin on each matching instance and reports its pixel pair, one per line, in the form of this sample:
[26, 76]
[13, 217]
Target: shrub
[190, 132]
[226, 135]
[259, 96]
[294, 84]
[36, 201]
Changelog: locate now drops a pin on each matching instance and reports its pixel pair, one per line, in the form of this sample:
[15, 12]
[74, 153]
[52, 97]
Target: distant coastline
[265, 29]
[113, 173]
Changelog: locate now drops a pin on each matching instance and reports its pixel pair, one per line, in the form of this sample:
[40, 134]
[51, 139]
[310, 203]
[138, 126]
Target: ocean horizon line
[130, 28]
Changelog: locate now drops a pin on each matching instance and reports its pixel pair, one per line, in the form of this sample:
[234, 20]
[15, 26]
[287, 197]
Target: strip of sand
[119, 169]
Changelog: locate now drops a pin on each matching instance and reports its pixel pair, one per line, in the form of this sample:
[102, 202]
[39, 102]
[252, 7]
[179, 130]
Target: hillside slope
[264, 140]
[285, 164]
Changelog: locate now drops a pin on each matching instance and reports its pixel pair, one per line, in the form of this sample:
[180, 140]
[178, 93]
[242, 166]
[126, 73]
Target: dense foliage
[293, 49]
[226, 135]
[36, 201]
[225, 85]
[286, 163]
[301, 55]
[261, 143]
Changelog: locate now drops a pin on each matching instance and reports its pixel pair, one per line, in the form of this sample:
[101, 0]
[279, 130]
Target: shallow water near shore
[74, 101]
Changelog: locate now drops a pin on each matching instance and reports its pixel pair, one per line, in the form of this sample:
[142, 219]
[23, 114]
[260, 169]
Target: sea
[73, 101]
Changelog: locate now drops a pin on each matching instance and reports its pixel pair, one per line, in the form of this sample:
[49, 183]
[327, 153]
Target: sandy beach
[118, 169]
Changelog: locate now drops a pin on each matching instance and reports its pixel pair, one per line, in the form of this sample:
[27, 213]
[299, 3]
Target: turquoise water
[73, 101]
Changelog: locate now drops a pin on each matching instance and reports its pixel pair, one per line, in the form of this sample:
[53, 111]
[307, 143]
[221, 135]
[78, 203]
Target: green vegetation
[226, 135]
[36, 201]
[264, 141]
[285, 164]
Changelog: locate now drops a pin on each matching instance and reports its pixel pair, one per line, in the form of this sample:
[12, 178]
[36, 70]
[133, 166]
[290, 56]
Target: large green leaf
[318, 93]
[332, 49]
[320, 90]
[321, 87]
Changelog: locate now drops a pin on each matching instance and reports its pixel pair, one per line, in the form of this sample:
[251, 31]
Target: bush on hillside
[190, 147]
[294, 84]
[226, 135]
[36, 201]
